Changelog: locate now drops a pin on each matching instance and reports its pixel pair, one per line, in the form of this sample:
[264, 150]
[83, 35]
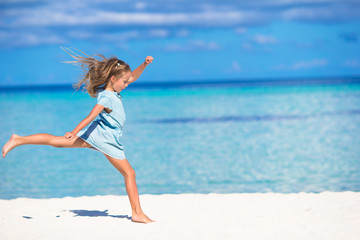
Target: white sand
[305, 216]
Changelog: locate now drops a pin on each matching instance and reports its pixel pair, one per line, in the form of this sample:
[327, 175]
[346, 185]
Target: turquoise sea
[214, 137]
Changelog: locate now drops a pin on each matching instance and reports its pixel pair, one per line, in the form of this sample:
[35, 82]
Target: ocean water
[206, 138]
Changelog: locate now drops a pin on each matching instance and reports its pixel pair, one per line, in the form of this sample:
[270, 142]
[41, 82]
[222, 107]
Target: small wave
[242, 118]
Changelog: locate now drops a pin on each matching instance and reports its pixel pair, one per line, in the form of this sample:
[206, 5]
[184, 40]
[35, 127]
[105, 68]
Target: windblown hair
[97, 72]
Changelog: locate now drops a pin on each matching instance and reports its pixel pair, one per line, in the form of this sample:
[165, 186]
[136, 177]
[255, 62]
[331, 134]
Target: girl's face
[122, 82]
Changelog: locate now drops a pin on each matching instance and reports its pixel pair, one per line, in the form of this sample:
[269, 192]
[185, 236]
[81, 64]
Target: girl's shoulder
[109, 94]
[103, 93]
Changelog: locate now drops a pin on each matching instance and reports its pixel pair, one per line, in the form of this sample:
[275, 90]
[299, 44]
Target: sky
[189, 40]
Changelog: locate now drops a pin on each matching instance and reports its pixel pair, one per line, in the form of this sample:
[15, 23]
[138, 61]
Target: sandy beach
[326, 215]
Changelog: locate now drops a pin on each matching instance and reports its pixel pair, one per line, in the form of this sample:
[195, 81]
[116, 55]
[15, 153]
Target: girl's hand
[148, 60]
[69, 135]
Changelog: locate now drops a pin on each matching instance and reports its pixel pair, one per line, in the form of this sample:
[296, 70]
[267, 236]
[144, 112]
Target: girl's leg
[123, 166]
[43, 139]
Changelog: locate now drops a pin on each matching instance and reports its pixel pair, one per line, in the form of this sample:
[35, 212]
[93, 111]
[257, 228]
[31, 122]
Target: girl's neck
[110, 88]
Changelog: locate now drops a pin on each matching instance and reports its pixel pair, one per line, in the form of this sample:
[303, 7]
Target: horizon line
[215, 82]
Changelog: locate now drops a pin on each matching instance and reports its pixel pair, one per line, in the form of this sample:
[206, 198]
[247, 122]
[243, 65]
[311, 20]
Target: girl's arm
[93, 114]
[138, 71]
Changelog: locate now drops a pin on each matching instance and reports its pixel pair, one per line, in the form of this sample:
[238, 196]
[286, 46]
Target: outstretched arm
[93, 114]
[138, 71]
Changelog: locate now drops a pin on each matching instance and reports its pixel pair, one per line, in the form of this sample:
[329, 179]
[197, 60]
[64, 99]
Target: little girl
[104, 79]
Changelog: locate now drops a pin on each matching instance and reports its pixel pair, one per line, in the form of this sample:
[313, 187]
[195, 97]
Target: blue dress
[104, 133]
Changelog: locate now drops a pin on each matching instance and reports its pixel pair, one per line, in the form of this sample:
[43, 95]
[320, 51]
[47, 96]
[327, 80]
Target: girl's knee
[129, 173]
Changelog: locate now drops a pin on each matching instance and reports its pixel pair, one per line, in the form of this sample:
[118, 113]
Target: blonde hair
[97, 72]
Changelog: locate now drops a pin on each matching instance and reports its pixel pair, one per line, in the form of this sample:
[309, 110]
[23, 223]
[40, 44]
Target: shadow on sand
[95, 213]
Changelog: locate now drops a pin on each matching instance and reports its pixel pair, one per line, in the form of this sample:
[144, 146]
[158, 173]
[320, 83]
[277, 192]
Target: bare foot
[141, 218]
[10, 145]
